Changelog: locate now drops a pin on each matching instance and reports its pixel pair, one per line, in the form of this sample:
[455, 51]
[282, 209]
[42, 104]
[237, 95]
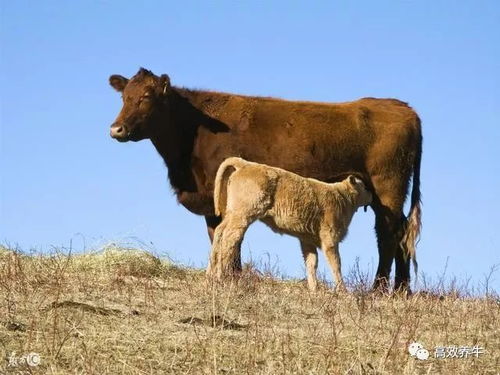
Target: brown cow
[194, 131]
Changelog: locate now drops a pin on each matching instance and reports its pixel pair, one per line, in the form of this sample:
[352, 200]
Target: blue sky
[64, 179]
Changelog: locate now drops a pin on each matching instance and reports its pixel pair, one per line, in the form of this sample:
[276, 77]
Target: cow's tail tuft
[225, 170]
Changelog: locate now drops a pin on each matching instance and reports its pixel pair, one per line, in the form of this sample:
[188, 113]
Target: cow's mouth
[134, 136]
[122, 139]
[125, 135]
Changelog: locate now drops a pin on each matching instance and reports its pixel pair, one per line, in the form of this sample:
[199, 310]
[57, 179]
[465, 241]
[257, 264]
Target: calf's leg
[212, 223]
[216, 249]
[226, 245]
[331, 249]
[310, 254]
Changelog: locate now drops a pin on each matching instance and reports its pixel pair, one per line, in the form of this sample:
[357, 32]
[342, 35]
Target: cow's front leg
[212, 223]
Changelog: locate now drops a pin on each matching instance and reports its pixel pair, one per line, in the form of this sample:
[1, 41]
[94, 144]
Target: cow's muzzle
[119, 132]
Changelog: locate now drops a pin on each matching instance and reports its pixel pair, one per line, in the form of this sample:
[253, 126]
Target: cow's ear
[118, 82]
[352, 179]
[164, 83]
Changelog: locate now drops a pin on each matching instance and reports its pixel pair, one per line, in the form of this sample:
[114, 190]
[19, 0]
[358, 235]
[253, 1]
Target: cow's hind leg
[389, 225]
[402, 278]
[310, 254]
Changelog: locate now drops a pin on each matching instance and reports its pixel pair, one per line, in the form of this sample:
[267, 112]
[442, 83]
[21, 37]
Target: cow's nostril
[119, 130]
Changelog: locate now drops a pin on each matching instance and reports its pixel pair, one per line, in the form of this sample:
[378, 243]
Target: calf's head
[144, 98]
[362, 196]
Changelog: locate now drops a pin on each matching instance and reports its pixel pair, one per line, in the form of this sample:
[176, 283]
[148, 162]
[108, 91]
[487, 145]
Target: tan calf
[317, 213]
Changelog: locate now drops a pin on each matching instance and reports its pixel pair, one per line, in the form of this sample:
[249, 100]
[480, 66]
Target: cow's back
[319, 140]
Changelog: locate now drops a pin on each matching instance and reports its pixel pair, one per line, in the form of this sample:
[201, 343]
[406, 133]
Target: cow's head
[363, 197]
[144, 98]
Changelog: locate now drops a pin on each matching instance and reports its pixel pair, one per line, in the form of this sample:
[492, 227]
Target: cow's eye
[145, 97]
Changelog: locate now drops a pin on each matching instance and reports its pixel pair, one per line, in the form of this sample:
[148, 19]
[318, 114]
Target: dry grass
[127, 312]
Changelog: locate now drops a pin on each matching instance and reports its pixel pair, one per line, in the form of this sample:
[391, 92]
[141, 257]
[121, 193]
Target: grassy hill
[122, 311]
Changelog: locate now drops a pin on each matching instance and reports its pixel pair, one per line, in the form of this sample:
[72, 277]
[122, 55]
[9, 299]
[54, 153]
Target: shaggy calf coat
[316, 212]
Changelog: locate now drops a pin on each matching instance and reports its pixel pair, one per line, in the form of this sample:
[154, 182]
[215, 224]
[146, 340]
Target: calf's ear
[352, 179]
[118, 82]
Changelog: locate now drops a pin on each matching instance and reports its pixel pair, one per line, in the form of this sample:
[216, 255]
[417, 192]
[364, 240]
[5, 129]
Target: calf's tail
[225, 170]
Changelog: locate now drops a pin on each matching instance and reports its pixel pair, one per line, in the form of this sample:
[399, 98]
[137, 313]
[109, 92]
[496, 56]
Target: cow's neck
[178, 125]
[198, 98]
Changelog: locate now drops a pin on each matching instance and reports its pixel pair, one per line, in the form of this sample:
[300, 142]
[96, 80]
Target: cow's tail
[225, 170]
[413, 225]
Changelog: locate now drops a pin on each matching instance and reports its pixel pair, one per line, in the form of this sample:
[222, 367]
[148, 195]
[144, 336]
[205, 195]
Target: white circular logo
[414, 347]
[422, 354]
[33, 359]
